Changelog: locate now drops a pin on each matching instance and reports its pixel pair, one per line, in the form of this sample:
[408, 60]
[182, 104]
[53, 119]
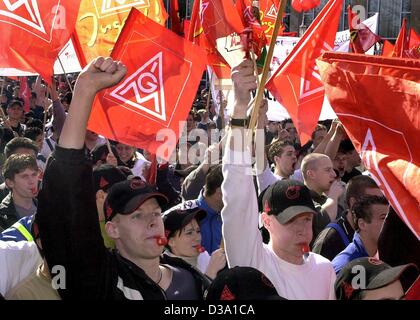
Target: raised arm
[243, 241]
[67, 215]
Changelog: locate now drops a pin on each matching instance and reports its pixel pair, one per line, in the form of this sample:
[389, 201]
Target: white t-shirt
[313, 280]
[17, 261]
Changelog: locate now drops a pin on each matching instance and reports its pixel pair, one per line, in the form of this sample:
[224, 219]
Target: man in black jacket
[68, 220]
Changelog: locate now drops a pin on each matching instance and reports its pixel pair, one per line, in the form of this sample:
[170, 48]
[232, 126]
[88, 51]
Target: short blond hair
[310, 161]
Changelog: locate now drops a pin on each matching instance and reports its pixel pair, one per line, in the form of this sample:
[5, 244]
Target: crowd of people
[80, 217]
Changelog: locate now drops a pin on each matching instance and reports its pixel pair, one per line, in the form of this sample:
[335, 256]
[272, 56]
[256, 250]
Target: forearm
[74, 129]
[333, 145]
[59, 117]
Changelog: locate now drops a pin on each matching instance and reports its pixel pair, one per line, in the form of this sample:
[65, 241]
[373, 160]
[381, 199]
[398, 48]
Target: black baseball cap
[241, 283]
[127, 196]
[175, 219]
[105, 176]
[378, 275]
[287, 199]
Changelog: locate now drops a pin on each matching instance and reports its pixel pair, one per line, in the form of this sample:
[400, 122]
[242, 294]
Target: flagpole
[65, 74]
[209, 93]
[266, 68]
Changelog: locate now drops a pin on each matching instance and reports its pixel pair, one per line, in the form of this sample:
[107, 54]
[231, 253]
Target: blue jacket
[353, 251]
[210, 226]
[20, 231]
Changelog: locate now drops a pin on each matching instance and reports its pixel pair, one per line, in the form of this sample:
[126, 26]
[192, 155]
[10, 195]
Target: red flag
[387, 49]
[402, 42]
[414, 45]
[100, 22]
[297, 83]
[196, 35]
[25, 93]
[378, 99]
[176, 25]
[250, 16]
[222, 27]
[268, 14]
[361, 37]
[157, 92]
[33, 33]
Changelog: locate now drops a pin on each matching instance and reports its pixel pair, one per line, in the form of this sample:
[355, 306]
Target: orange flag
[378, 99]
[158, 91]
[34, 32]
[297, 83]
[100, 22]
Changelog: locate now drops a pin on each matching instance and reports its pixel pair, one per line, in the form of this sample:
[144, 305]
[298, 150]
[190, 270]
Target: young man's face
[290, 127]
[287, 161]
[290, 237]
[137, 232]
[15, 112]
[323, 174]
[373, 228]
[340, 163]
[24, 183]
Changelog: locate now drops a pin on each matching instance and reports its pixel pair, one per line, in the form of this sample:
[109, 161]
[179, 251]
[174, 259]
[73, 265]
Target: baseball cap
[241, 283]
[287, 199]
[127, 196]
[106, 175]
[175, 219]
[378, 274]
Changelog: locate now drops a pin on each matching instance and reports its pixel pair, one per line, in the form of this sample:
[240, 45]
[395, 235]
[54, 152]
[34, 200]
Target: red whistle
[161, 241]
[34, 190]
[305, 249]
[199, 248]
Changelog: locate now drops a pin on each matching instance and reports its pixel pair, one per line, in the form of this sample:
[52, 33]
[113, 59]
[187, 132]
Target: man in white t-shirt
[288, 214]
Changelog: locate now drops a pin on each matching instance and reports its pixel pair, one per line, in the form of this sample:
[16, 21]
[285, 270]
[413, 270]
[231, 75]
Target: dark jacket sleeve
[69, 227]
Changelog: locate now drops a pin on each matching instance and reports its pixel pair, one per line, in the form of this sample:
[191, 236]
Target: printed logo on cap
[137, 184]
[293, 192]
[103, 183]
[227, 294]
[348, 290]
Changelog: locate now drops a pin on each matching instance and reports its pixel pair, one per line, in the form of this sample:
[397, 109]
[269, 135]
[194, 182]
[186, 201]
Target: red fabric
[176, 25]
[153, 170]
[413, 293]
[219, 18]
[100, 22]
[25, 93]
[195, 34]
[34, 32]
[414, 45]
[268, 13]
[157, 92]
[402, 42]
[361, 37]
[387, 49]
[305, 5]
[296, 83]
[255, 36]
[377, 99]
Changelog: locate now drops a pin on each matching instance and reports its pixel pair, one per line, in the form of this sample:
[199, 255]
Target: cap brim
[388, 276]
[289, 213]
[198, 214]
[138, 201]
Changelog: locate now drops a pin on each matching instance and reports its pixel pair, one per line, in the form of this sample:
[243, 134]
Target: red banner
[33, 33]
[378, 99]
[296, 84]
[157, 92]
